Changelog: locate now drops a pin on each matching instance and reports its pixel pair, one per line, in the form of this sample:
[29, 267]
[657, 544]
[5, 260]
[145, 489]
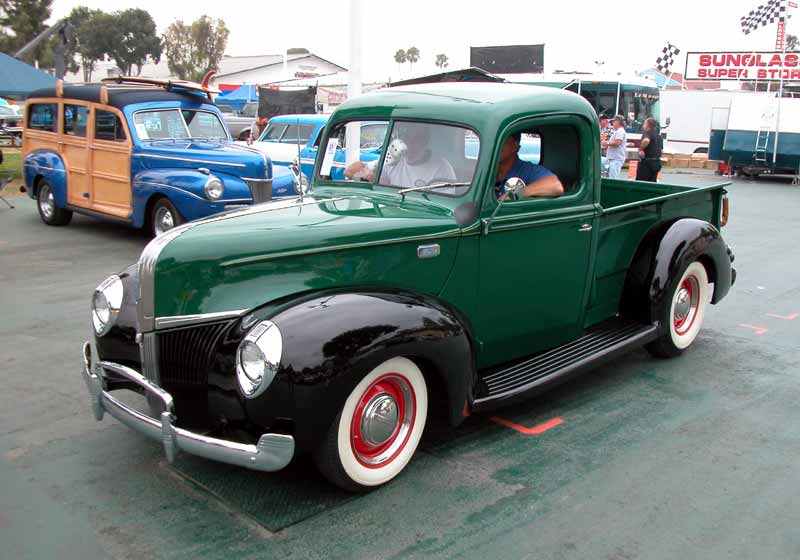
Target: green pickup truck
[421, 282]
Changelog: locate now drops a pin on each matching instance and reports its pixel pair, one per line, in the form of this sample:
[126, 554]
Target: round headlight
[106, 303]
[214, 188]
[258, 358]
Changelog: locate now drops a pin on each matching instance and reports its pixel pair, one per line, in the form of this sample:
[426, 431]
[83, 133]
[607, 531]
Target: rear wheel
[378, 429]
[49, 212]
[682, 313]
[164, 216]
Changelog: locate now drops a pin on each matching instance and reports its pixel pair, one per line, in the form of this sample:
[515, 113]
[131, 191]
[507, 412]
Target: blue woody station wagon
[144, 152]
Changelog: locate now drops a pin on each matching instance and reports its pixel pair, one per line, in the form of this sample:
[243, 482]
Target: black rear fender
[663, 253]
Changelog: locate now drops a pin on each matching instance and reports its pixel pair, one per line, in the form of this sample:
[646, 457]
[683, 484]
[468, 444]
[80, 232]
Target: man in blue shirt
[539, 180]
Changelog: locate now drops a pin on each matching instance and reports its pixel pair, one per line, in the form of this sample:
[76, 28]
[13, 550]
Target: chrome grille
[148, 349]
[260, 189]
[185, 355]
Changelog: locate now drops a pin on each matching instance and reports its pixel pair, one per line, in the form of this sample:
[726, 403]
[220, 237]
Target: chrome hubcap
[164, 220]
[379, 420]
[47, 202]
[683, 303]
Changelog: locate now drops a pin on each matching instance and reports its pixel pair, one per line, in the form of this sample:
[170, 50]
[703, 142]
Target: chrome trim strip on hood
[156, 156]
[185, 320]
[145, 306]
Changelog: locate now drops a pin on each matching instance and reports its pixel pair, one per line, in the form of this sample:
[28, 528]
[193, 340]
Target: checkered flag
[667, 58]
[766, 14]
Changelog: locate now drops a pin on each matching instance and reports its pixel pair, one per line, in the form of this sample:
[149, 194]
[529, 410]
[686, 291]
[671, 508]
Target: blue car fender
[185, 188]
[46, 165]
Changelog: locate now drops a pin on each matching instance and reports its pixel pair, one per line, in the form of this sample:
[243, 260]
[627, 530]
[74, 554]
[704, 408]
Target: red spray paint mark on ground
[533, 431]
[791, 317]
[756, 328]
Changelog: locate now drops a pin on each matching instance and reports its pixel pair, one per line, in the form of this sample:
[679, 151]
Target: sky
[626, 36]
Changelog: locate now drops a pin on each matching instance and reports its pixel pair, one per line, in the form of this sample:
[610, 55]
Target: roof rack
[169, 85]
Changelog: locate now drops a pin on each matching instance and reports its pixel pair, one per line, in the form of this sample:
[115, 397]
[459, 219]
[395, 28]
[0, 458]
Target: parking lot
[695, 457]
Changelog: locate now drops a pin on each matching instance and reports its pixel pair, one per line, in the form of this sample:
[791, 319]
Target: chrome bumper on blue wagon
[271, 453]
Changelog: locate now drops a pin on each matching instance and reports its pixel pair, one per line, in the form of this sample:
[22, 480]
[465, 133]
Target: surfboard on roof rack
[169, 85]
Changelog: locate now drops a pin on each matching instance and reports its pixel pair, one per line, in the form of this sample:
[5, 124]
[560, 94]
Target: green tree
[412, 55]
[400, 58]
[442, 61]
[129, 38]
[20, 22]
[192, 50]
[86, 45]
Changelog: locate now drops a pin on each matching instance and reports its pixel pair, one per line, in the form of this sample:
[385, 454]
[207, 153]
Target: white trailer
[686, 118]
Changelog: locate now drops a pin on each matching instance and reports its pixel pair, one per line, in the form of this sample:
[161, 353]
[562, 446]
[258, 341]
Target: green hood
[243, 259]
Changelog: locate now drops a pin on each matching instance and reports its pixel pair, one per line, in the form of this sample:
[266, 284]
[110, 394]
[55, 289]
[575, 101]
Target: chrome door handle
[585, 227]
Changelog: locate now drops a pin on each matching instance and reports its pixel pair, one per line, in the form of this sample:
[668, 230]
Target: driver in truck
[411, 161]
[539, 180]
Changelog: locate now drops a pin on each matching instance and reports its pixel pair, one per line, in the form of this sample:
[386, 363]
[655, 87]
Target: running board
[519, 380]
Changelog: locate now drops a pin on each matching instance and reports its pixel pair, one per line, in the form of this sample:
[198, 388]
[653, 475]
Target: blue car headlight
[214, 188]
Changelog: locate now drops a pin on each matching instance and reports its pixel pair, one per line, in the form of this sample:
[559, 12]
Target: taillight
[724, 219]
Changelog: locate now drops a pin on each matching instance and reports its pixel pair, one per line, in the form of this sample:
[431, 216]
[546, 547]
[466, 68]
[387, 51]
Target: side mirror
[666, 123]
[513, 187]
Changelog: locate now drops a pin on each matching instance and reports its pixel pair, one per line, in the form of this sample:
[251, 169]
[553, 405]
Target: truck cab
[422, 282]
[141, 152]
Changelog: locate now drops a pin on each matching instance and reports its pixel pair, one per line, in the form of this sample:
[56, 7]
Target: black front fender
[332, 340]
[664, 252]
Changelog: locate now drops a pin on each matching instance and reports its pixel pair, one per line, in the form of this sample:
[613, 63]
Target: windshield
[250, 110]
[178, 124]
[415, 155]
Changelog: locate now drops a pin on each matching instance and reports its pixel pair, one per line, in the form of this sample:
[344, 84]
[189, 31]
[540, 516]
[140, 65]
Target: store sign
[717, 66]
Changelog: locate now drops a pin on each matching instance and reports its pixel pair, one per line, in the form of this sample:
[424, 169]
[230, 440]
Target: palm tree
[400, 58]
[442, 61]
[412, 55]
[791, 42]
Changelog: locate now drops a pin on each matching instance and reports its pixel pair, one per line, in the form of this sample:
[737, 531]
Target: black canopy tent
[18, 79]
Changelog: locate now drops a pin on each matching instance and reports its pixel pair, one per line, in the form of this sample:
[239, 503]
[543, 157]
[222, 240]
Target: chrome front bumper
[271, 453]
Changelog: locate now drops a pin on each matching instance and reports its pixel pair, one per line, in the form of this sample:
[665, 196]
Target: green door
[534, 264]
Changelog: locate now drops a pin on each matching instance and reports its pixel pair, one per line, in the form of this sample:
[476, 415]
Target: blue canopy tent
[18, 79]
[236, 99]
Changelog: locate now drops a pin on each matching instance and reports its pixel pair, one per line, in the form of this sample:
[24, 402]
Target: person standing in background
[605, 130]
[616, 152]
[650, 151]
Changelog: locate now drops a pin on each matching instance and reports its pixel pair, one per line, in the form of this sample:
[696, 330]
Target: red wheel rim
[687, 302]
[375, 440]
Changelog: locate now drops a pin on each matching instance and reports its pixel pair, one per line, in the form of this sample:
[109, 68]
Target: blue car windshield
[178, 124]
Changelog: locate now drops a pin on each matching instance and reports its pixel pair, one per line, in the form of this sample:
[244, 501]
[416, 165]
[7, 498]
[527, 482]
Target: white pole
[619, 88]
[778, 116]
[353, 134]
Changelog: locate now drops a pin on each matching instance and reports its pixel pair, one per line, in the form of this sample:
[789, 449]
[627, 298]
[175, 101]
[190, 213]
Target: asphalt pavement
[695, 457]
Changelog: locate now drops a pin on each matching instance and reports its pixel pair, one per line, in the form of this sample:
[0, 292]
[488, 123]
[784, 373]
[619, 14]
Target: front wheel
[378, 429]
[49, 212]
[163, 217]
[682, 312]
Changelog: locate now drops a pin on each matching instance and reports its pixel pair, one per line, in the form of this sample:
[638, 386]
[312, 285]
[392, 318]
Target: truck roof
[464, 102]
[119, 95]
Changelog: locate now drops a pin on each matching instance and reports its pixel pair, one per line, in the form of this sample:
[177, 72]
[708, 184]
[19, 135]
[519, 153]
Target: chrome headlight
[258, 358]
[214, 188]
[106, 303]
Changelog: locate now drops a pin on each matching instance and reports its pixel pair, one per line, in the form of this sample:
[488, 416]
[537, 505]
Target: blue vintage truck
[147, 153]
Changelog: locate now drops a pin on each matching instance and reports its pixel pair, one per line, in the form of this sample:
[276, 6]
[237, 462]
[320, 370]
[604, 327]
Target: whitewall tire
[378, 428]
[683, 312]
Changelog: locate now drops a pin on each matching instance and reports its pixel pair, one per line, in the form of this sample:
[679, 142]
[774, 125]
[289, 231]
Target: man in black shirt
[649, 152]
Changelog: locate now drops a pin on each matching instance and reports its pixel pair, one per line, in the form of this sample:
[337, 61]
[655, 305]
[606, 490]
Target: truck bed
[629, 210]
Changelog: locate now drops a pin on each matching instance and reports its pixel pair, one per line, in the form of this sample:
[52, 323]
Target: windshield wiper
[434, 186]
